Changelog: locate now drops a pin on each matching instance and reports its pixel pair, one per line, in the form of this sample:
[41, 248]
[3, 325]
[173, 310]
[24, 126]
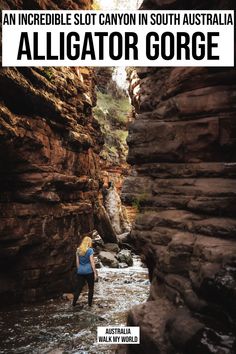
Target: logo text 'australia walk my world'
[118, 335]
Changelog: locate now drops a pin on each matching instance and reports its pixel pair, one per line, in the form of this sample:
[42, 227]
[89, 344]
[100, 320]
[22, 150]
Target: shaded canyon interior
[182, 147]
[50, 172]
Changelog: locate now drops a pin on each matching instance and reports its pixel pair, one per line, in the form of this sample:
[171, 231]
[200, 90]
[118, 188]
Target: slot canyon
[160, 207]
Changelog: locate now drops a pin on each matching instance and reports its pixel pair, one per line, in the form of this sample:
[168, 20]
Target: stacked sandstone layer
[49, 171]
[183, 150]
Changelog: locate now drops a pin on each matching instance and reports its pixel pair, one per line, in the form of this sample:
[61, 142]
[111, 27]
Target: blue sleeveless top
[84, 263]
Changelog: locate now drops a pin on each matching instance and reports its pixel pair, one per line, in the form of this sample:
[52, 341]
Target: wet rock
[125, 256]
[123, 265]
[221, 288]
[182, 327]
[108, 259]
[98, 265]
[68, 297]
[152, 318]
[56, 351]
[219, 340]
[112, 247]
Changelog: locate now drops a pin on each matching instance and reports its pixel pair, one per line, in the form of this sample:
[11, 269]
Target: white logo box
[138, 43]
[118, 335]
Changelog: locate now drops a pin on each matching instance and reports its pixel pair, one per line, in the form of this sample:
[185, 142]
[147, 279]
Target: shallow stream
[54, 327]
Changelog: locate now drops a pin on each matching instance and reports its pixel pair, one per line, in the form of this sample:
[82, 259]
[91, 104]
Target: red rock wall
[49, 172]
[46, 4]
[182, 146]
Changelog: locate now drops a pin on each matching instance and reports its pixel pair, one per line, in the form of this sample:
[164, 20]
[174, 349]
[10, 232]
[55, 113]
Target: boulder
[108, 259]
[152, 318]
[97, 240]
[125, 256]
[67, 296]
[182, 327]
[98, 265]
[103, 224]
[123, 265]
[115, 210]
[112, 247]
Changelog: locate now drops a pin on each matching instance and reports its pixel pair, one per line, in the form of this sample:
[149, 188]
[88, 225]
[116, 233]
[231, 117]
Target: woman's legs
[79, 286]
[90, 281]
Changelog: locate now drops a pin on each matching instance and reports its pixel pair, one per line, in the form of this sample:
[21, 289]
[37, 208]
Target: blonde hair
[85, 244]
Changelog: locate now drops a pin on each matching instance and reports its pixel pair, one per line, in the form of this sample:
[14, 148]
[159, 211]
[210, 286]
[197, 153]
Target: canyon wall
[49, 171]
[182, 146]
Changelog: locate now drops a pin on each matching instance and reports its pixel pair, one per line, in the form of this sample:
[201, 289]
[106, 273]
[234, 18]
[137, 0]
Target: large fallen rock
[152, 318]
[108, 259]
[103, 224]
[112, 247]
[116, 211]
[125, 256]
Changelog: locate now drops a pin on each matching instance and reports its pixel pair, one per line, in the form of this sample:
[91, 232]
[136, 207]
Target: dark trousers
[81, 279]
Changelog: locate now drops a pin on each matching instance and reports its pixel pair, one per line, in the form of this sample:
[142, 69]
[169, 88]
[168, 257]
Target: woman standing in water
[86, 271]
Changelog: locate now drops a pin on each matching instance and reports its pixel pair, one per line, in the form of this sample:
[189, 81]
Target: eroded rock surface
[49, 171]
[116, 211]
[182, 147]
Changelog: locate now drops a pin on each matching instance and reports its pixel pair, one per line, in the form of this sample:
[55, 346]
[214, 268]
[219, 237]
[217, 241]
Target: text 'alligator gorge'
[117, 183]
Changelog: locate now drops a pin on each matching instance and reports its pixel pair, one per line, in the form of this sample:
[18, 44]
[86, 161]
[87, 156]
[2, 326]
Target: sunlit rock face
[182, 146]
[119, 4]
[116, 211]
[46, 4]
[49, 173]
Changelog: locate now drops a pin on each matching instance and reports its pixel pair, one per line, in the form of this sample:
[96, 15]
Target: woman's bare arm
[93, 266]
[77, 260]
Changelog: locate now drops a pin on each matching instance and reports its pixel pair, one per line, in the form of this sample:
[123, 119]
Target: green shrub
[114, 109]
[48, 73]
[138, 201]
[111, 113]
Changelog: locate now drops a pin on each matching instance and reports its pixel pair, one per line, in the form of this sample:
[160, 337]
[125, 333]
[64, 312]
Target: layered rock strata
[182, 147]
[49, 172]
